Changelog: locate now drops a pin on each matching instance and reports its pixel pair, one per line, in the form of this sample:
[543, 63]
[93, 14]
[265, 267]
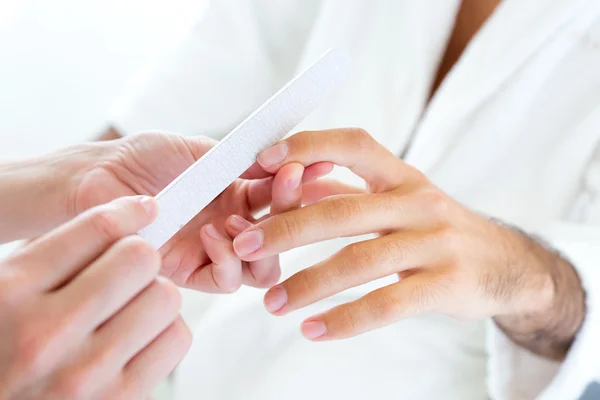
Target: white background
[63, 63]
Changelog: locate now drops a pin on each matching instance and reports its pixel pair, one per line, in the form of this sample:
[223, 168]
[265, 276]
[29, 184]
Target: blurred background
[65, 62]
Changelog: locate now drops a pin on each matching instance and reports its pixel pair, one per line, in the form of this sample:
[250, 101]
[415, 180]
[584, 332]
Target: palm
[145, 164]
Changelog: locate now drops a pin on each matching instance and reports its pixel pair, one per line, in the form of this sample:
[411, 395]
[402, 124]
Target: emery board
[204, 180]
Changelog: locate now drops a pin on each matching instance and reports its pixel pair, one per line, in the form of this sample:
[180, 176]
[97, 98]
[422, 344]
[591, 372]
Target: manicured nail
[275, 299]
[293, 183]
[238, 223]
[313, 329]
[273, 155]
[248, 243]
[149, 204]
[212, 232]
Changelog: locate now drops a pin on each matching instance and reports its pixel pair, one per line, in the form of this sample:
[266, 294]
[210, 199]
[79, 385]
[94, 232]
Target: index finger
[58, 256]
[352, 148]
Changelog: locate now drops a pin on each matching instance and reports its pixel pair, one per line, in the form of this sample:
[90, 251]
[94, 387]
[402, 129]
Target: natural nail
[238, 223]
[248, 242]
[275, 299]
[313, 329]
[273, 155]
[212, 232]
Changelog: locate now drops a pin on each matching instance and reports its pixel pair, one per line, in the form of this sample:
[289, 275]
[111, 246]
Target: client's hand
[201, 255]
[448, 258]
[82, 314]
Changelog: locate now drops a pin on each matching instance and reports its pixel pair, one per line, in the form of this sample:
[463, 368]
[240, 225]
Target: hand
[82, 314]
[448, 258]
[201, 255]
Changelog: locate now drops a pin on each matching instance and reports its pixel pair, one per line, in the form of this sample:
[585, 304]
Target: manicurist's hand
[82, 314]
[448, 258]
[42, 193]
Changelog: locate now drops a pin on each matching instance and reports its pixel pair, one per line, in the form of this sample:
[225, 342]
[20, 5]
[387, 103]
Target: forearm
[551, 330]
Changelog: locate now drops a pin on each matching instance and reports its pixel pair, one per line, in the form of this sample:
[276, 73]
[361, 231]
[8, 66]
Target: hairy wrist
[550, 328]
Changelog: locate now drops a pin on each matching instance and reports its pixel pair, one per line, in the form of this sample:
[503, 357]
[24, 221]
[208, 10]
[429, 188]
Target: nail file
[204, 180]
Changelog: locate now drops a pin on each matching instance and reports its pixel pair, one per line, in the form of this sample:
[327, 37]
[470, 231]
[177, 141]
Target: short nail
[313, 329]
[248, 243]
[294, 182]
[275, 299]
[212, 232]
[273, 155]
[238, 223]
[149, 204]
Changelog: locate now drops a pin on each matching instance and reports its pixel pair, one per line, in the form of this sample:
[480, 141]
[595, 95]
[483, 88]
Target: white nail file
[204, 180]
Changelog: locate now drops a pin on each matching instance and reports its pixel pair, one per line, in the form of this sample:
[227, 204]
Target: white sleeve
[517, 374]
[235, 57]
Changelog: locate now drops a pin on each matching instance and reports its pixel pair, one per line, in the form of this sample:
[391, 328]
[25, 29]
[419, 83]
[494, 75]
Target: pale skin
[70, 330]
[83, 313]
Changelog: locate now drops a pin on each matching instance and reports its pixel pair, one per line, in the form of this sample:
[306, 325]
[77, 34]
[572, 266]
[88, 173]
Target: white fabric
[512, 132]
[203, 181]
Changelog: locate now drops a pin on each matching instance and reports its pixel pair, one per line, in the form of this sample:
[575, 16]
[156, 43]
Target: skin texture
[448, 259]
[70, 330]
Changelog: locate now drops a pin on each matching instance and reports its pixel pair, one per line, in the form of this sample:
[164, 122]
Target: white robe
[513, 132]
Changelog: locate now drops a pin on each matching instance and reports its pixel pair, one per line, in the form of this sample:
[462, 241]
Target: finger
[57, 257]
[138, 323]
[259, 193]
[255, 172]
[354, 265]
[262, 273]
[377, 309]
[224, 274]
[109, 283]
[315, 191]
[332, 217]
[287, 189]
[154, 363]
[351, 148]
[316, 171]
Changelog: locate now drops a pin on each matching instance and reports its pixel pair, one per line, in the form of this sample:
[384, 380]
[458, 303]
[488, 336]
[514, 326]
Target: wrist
[551, 310]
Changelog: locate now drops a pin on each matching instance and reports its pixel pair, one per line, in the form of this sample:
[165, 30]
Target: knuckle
[137, 250]
[170, 297]
[71, 384]
[106, 223]
[348, 321]
[31, 343]
[435, 202]
[359, 256]
[384, 308]
[287, 228]
[340, 208]
[361, 138]
[183, 334]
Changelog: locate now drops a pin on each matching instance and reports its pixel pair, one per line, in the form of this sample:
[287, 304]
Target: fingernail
[248, 243]
[273, 155]
[149, 204]
[238, 223]
[313, 329]
[294, 182]
[275, 299]
[212, 232]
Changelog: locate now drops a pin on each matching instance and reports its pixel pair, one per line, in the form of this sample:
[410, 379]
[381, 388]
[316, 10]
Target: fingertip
[235, 225]
[212, 232]
[314, 329]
